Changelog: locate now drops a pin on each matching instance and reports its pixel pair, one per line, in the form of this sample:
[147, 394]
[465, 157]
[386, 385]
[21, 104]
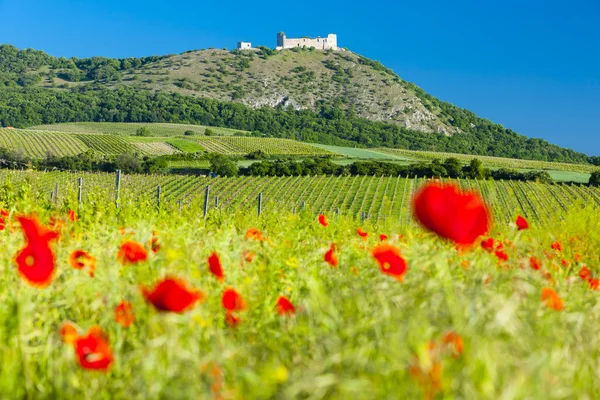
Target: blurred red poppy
[285, 306]
[131, 252]
[521, 223]
[79, 259]
[452, 213]
[172, 295]
[390, 261]
[36, 261]
[214, 266]
[93, 351]
[124, 314]
[330, 256]
[323, 220]
[232, 300]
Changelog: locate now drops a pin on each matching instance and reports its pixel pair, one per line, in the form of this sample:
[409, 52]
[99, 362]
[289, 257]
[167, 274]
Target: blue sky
[533, 66]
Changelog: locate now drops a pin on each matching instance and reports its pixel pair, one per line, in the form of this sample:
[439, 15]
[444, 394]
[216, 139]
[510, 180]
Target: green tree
[142, 131]
[222, 165]
[594, 179]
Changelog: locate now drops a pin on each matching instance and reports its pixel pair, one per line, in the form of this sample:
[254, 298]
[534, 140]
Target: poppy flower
[3, 216]
[535, 263]
[501, 255]
[585, 273]
[455, 341]
[214, 266]
[564, 263]
[72, 215]
[232, 300]
[323, 220]
[556, 246]
[594, 283]
[254, 234]
[285, 306]
[488, 244]
[390, 261]
[80, 259]
[154, 243]
[521, 223]
[330, 256]
[577, 257]
[36, 261]
[68, 332]
[451, 213]
[232, 319]
[248, 256]
[124, 314]
[172, 295]
[93, 351]
[552, 299]
[362, 233]
[383, 237]
[131, 252]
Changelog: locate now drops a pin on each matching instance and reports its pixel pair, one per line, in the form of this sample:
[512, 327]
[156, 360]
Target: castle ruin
[319, 43]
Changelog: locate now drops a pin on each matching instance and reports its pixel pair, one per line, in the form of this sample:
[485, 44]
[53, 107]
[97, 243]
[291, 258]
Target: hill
[326, 97]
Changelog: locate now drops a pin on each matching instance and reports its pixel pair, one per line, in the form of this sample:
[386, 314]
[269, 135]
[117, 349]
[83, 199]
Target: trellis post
[158, 193]
[206, 194]
[117, 188]
[79, 190]
[56, 193]
[259, 203]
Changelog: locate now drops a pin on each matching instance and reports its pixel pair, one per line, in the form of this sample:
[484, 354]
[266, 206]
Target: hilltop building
[244, 46]
[319, 43]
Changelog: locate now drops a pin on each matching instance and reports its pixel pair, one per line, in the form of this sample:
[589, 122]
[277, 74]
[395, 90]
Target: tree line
[330, 124]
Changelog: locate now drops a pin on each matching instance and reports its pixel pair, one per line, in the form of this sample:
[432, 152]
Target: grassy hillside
[129, 129]
[338, 98]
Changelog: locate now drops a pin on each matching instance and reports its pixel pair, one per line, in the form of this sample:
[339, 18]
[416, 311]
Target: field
[235, 146]
[460, 324]
[379, 198]
[129, 129]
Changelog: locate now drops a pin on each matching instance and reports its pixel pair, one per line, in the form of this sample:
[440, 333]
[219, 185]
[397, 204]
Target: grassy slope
[129, 129]
[356, 332]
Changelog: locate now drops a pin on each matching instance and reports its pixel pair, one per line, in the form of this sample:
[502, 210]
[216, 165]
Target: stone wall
[330, 42]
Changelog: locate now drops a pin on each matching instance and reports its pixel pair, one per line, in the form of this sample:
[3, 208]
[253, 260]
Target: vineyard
[494, 161]
[236, 145]
[36, 144]
[379, 198]
[129, 129]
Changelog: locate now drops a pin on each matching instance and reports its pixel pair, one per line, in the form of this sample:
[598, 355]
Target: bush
[209, 132]
[189, 133]
[594, 179]
[142, 131]
[222, 165]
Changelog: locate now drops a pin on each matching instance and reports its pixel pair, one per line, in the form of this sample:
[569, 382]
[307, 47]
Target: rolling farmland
[236, 145]
[129, 128]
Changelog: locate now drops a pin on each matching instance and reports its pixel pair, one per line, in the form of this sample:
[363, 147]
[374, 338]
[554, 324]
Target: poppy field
[147, 302]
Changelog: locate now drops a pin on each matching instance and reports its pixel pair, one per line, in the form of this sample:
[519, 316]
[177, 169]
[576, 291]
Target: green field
[355, 153]
[129, 129]
[380, 198]
[356, 333]
[39, 144]
[235, 145]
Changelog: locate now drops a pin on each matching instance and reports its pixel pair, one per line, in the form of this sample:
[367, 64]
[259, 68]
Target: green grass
[129, 129]
[235, 145]
[363, 154]
[185, 145]
[356, 332]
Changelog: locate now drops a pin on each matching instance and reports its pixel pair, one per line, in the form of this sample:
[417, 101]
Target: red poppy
[594, 283]
[3, 216]
[68, 332]
[36, 261]
[232, 300]
[535, 263]
[214, 266]
[585, 273]
[173, 295]
[362, 233]
[131, 252]
[390, 261]
[232, 319]
[154, 243]
[451, 213]
[488, 244]
[556, 246]
[79, 259]
[577, 257]
[248, 256]
[124, 314]
[72, 215]
[501, 255]
[285, 306]
[254, 234]
[552, 299]
[383, 237]
[564, 263]
[455, 341]
[93, 350]
[323, 220]
[330, 256]
[521, 223]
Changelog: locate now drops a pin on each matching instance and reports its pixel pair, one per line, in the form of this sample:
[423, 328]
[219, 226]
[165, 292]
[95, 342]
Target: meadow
[457, 323]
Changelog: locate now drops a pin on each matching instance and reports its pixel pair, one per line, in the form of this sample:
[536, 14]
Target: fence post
[362, 217]
[337, 212]
[206, 194]
[180, 203]
[79, 190]
[216, 201]
[259, 203]
[56, 193]
[158, 192]
[303, 205]
[117, 188]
